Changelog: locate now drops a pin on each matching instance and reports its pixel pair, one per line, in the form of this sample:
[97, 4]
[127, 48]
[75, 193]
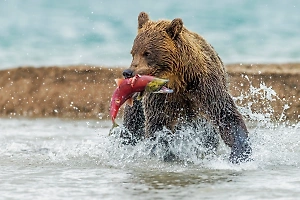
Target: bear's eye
[146, 54]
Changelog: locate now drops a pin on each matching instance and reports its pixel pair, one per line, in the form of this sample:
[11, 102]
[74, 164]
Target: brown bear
[196, 74]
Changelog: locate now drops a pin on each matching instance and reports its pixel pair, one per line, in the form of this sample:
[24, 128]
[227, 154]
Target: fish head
[155, 85]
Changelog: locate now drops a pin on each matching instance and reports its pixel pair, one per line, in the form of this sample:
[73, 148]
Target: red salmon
[127, 87]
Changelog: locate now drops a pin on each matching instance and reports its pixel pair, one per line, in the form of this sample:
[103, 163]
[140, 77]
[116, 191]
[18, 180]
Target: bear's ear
[175, 28]
[142, 19]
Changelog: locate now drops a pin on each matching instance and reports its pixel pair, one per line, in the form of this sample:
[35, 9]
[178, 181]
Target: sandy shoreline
[84, 91]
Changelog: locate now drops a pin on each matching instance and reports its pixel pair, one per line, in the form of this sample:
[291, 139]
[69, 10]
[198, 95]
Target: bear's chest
[172, 105]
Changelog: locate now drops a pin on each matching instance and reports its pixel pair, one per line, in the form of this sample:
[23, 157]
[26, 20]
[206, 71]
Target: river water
[67, 159]
[96, 32]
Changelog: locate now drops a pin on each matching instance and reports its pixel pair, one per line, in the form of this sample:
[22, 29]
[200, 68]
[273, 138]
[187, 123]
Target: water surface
[66, 159]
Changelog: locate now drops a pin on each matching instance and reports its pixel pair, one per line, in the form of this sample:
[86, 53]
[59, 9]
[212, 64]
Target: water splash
[186, 145]
[275, 140]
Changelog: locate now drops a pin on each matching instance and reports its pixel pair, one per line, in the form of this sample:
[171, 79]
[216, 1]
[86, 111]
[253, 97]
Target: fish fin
[130, 101]
[118, 81]
[113, 126]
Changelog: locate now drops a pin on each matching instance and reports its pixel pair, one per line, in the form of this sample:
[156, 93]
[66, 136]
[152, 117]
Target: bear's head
[155, 49]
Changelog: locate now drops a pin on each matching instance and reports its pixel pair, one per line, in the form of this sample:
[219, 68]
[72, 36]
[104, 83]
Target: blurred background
[97, 32]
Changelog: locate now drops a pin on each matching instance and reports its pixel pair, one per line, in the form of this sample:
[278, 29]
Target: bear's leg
[153, 125]
[235, 135]
[232, 128]
[134, 122]
[241, 149]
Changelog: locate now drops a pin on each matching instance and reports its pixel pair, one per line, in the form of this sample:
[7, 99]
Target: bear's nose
[128, 73]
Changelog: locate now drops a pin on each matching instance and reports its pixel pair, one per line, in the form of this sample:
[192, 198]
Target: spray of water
[275, 141]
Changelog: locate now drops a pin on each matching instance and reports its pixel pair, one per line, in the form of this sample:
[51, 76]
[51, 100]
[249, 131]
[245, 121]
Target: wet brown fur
[166, 49]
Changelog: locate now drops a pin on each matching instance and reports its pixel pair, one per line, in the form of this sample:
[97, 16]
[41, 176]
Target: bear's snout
[128, 73]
